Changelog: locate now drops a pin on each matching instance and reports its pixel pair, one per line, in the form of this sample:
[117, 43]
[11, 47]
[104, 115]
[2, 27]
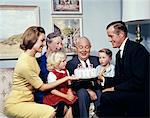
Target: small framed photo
[14, 20]
[66, 6]
[71, 29]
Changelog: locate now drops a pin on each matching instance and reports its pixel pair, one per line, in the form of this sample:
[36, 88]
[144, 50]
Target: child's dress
[51, 99]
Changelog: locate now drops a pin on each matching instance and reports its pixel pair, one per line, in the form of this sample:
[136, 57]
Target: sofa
[5, 86]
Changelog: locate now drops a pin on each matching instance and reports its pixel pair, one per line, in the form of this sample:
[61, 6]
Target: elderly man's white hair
[82, 38]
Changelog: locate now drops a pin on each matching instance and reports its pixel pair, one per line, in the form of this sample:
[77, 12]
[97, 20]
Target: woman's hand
[70, 95]
[72, 77]
[56, 83]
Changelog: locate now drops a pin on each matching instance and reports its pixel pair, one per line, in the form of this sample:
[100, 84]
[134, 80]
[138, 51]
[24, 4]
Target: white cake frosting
[85, 73]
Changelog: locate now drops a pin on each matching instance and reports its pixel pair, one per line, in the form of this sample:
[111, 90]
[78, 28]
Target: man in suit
[87, 90]
[126, 94]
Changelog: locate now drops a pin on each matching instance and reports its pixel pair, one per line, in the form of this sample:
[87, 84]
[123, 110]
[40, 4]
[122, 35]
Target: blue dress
[38, 95]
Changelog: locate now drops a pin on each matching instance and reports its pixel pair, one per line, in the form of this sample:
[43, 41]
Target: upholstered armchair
[5, 86]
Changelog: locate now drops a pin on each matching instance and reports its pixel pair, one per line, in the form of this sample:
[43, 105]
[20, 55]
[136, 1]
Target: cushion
[5, 86]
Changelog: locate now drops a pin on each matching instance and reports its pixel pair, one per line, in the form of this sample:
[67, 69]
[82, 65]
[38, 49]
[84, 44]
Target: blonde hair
[54, 59]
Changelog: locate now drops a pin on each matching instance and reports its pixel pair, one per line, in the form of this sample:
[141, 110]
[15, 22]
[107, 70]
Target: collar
[109, 68]
[122, 47]
[83, 63]
[123, 44]
[60, 71]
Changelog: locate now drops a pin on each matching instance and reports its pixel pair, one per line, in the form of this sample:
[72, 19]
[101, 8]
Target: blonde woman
[20, 103]
[56, 64]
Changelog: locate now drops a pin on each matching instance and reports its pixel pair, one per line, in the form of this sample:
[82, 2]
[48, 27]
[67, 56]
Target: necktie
[119, 54]
[85, 63]
[118, 64]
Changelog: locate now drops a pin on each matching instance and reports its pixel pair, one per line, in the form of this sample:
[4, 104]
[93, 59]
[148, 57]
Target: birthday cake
[85, 73]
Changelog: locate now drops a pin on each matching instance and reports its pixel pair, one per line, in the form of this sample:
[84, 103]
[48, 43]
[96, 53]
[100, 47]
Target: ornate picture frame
[66, 6]
[14, 20]
[71, 29]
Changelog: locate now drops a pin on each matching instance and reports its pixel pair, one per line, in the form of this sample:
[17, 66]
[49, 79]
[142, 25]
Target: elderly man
[87, 90]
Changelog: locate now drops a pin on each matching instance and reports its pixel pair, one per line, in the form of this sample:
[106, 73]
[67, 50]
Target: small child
[56, 64]
[105, 68]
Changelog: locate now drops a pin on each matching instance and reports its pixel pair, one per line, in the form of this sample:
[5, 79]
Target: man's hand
[108, 89]
[92, 94]
[101, 78]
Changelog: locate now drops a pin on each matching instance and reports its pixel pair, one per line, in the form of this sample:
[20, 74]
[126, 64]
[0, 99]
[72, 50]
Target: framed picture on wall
[66, 6]
[14, 20]
[71, 29]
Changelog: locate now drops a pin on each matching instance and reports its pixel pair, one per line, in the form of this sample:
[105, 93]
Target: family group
[46, 87]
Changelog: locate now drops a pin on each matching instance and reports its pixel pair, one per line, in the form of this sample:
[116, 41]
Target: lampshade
[136, 11]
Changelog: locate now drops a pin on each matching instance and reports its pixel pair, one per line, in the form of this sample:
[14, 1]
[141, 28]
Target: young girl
[56, 64]
[105, 68]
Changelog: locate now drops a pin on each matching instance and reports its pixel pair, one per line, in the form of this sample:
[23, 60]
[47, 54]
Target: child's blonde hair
[54, 59]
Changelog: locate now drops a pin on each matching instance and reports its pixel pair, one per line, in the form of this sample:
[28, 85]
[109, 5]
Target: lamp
[136, 12]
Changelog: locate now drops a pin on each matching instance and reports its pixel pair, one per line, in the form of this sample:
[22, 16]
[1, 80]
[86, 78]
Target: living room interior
[94, 16]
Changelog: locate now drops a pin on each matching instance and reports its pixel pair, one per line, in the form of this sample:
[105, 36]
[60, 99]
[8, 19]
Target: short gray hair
[82, 38]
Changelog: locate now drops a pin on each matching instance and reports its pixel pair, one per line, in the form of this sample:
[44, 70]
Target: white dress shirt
[83, 63]
[122, 47]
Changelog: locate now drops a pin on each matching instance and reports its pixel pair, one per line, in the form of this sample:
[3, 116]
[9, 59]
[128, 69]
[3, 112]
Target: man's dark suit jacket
[72, 65]
[131, 84]
[133, 72]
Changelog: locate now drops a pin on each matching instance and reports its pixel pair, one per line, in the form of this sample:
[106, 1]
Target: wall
[45, 18]
[96, 16]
